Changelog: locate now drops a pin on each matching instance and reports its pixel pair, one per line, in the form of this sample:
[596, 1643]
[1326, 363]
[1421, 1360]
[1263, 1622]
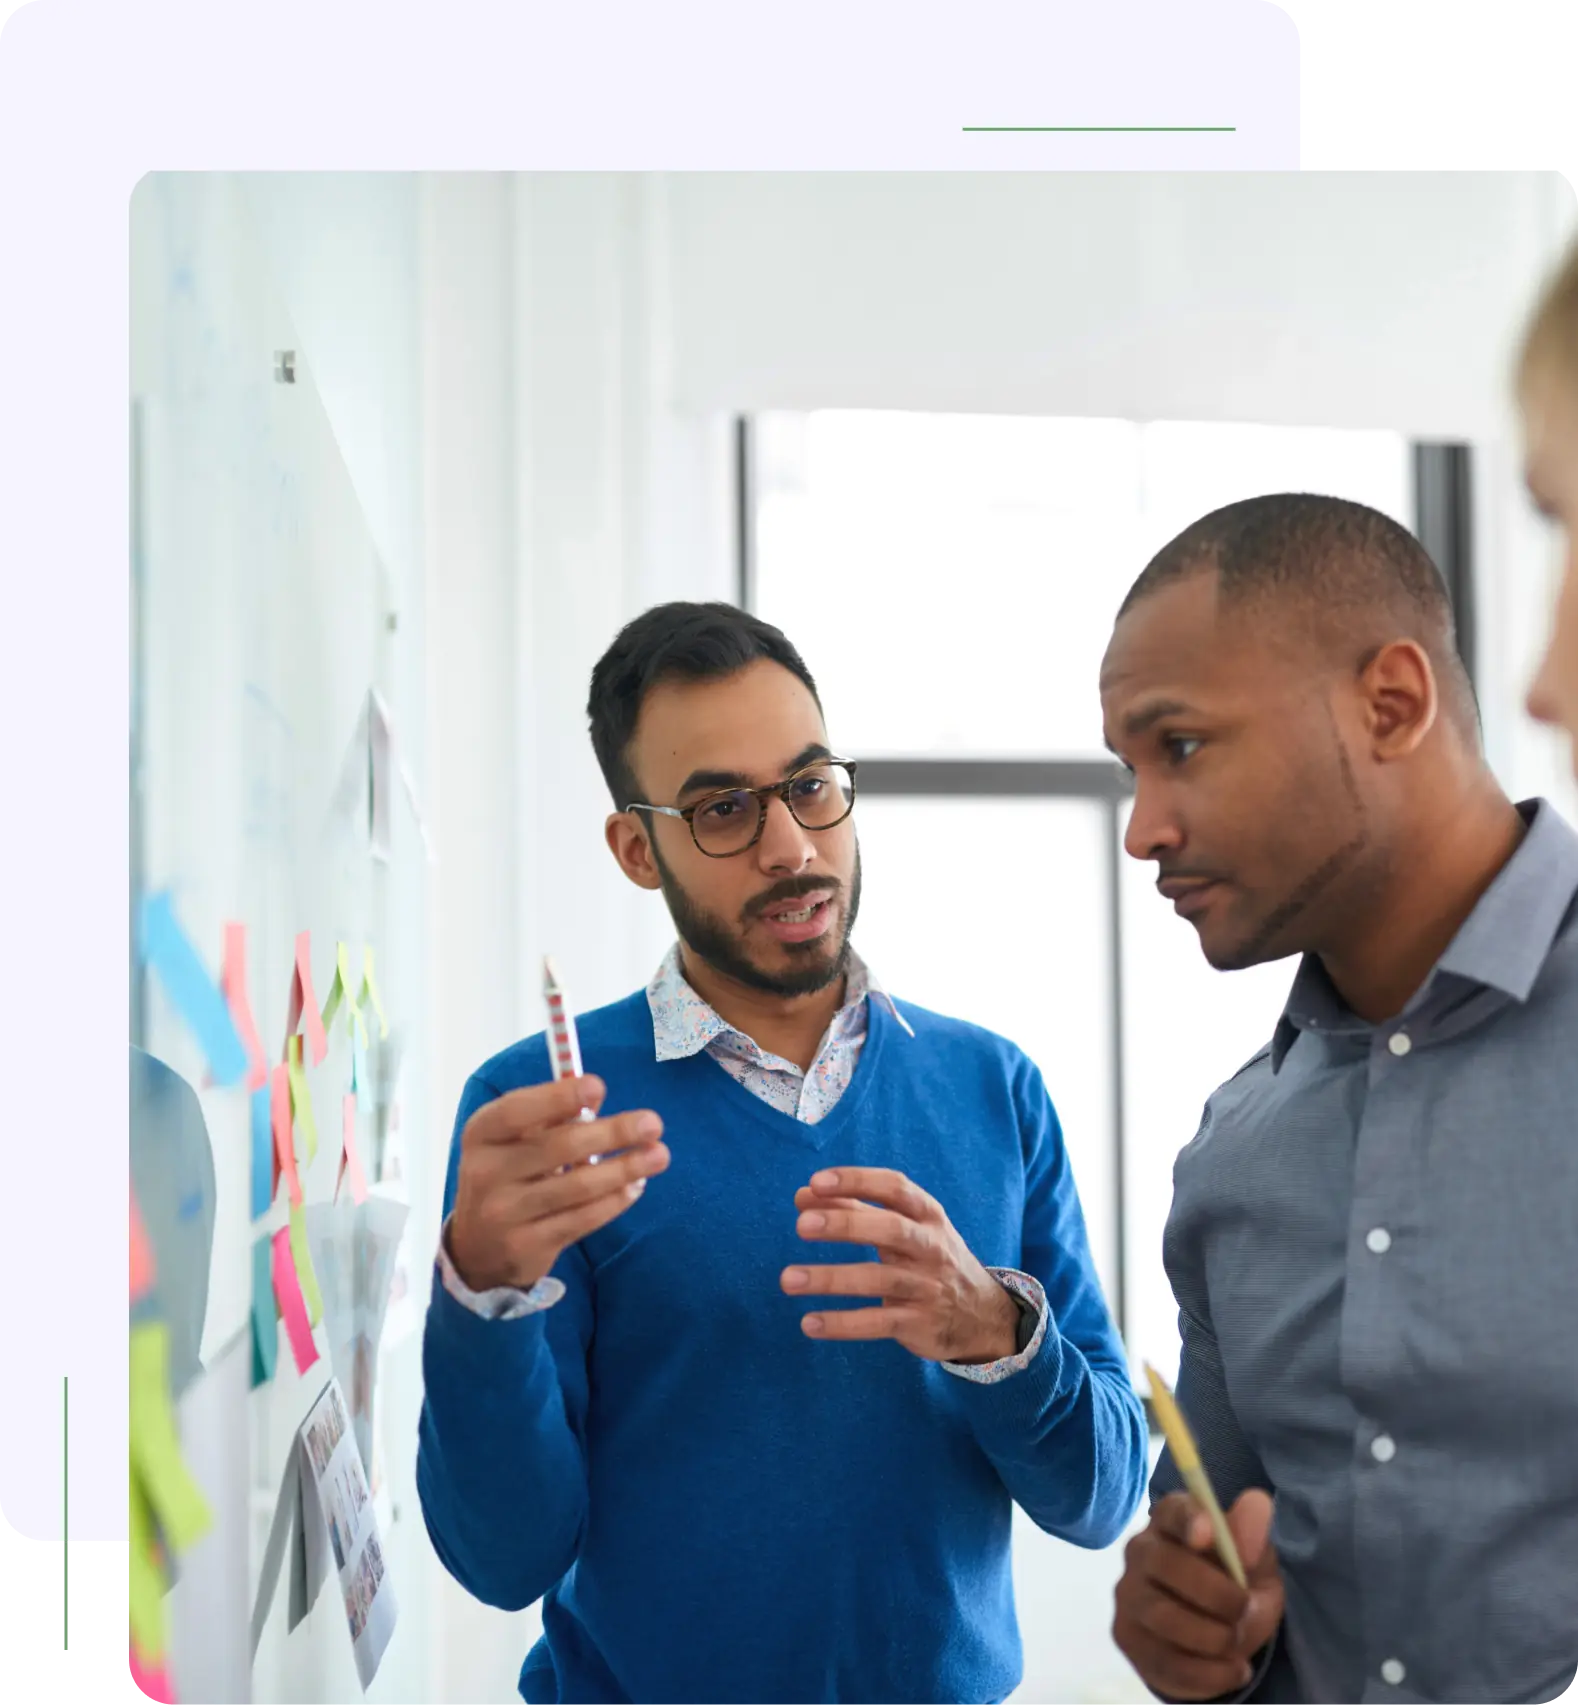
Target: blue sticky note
[265, 1320]
[193, 993]
[262, 1152]
[360, 1087]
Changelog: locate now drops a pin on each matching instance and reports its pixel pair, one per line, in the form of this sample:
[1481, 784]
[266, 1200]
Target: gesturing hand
[933, 1296]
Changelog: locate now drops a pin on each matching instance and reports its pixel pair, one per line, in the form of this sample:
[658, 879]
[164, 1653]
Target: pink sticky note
[350, 1160]
[233, 985]
[292, 1306]
[284, 1142]
[152, 1678]
[141, 1256]
[304, 1003]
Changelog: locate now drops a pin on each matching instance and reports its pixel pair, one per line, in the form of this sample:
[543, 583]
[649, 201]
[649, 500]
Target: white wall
[531, 378]
[1311, 299]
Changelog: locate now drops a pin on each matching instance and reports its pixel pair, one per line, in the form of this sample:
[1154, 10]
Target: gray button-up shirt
[1374, 1247]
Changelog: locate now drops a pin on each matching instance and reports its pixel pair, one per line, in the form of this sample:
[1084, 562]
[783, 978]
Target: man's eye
[723, 809]
[1180, 747]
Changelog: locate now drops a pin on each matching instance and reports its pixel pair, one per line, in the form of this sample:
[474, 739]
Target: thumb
[1249, 1522]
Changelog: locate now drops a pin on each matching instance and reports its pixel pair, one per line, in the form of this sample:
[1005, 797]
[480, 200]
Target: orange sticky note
[233, 986]
[291, 1306]
[141, 1256]
[350, 1160]
[152, 1678]
[304, 1003]
[284, 1144]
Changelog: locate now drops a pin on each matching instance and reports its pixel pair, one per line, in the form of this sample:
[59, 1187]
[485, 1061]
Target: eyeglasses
[722, 824]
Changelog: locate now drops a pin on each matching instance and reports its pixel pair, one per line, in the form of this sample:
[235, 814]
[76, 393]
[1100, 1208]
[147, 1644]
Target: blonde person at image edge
[1547, 384]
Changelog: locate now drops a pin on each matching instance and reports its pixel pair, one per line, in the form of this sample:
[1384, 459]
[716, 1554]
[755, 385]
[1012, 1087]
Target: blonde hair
[1551, 340]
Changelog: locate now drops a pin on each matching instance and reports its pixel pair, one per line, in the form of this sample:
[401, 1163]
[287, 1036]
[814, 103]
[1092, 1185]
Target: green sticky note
[305, 1277]
[145, 1579]
[301, 1099]
[177, 1504]
[369, 991]
[332, 1004]
[265, 1319]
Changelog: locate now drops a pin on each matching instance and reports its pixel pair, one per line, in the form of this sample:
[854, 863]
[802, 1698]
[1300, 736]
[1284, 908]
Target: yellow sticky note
[344, 989]
[173, 1495]
[145, 1579]
[352, 1000]
[370, 989]
[301, 1099]
[302, 1256]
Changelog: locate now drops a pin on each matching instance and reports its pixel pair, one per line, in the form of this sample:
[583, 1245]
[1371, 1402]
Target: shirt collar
[1503, 944]
[684, 1024]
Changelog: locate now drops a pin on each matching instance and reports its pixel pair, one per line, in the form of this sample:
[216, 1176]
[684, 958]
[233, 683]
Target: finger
[1249, 1522]
[1260, 1621]
[539, 1103]
[570, 1226]
[1182, 1626]
[568, 1191]
[1179, 1518]
[1197, 1581]
[879, 1184]
[867, 1279]
[521, 1111]
[574, 1144]
[880, 1228]
[853, 1323]
[1182, 1675]
[807, 1199]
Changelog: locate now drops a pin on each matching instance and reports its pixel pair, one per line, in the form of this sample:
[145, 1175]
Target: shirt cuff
[1032, 1300]
[503, 1302]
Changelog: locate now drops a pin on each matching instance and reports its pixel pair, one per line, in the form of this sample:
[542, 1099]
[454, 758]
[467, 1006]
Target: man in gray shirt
[1372, 1239]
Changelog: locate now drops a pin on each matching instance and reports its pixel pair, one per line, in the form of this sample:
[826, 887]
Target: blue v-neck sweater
[714, 1506]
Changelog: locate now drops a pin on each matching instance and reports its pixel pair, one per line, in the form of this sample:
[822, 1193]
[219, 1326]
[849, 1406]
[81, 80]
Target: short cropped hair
[1343, 576]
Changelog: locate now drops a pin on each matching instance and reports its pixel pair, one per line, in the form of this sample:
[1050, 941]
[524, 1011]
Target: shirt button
[1400, 1043]
[1378, 1241]
[1382, 1447]
[1392, 1673]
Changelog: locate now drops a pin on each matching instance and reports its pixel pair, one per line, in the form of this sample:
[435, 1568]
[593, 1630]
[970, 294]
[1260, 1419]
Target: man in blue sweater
[719, 1493]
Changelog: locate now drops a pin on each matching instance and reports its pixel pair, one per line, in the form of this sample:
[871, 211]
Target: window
[952, 582]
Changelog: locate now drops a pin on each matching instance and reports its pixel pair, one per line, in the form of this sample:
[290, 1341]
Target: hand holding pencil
[528, 1187]
[1201, 1591]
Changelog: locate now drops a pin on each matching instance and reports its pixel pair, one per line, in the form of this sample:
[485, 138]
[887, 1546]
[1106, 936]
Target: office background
[933, 426]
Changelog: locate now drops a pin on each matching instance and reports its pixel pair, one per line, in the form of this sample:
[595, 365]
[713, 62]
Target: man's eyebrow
[710, 781]
[1137, 722]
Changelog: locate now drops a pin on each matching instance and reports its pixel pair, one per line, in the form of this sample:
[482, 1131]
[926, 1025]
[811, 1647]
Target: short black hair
[692, 642]
[1348, 575]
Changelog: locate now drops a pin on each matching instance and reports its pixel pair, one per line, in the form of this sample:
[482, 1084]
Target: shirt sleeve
[1032, 1299]
[501, 1441]
[1229, 1459]
[1066, 1433]
[502, 1302]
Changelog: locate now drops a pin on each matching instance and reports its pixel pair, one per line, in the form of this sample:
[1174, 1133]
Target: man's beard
[714, 942]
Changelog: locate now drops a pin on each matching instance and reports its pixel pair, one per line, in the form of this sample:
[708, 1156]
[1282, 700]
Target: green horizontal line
[1085, 129]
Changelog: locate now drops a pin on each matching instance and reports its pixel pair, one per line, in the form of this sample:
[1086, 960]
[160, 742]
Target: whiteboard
[263, 616]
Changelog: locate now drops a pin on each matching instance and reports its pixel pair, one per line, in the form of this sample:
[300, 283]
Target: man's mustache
[791, 888]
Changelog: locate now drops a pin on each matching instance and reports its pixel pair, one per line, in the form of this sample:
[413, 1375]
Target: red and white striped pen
[563, 1043]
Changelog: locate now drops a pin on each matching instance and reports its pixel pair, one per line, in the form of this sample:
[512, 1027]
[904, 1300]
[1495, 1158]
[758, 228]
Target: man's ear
[627, 841]
[1401, 700]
